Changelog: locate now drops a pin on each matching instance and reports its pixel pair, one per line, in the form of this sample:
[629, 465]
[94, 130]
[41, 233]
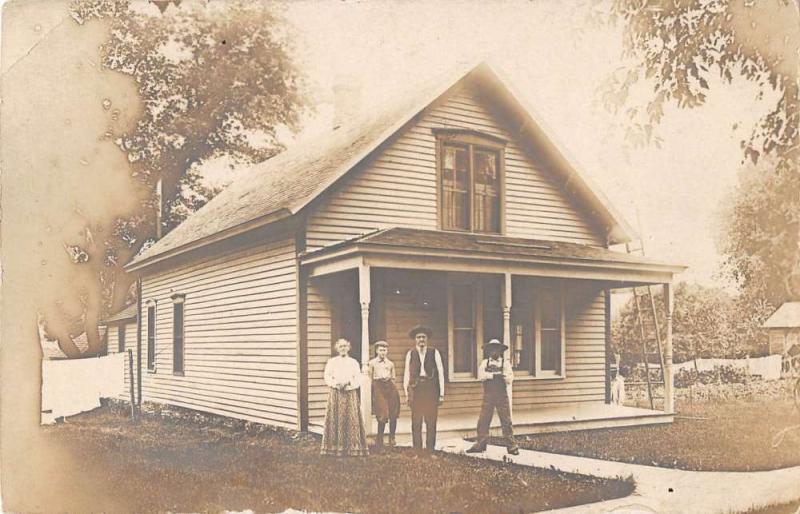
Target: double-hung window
[151, 335]
[121, 338]
[538, 331]
[470, 181]
[178, 301]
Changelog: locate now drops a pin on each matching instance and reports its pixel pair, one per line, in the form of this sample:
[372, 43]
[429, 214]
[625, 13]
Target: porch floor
[546, 419]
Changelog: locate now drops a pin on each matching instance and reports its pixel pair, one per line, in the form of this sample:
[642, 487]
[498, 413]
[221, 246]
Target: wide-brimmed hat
[378, 344]
[494, 344]
[420, 329]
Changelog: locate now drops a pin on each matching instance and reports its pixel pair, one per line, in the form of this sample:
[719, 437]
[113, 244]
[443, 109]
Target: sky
[558, 60]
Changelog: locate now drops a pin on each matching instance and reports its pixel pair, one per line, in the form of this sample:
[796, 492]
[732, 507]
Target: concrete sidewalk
[660, 490]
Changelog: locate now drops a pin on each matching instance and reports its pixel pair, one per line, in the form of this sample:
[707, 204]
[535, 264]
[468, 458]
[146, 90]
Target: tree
[707, 322]
[213, 79]
[678, 46]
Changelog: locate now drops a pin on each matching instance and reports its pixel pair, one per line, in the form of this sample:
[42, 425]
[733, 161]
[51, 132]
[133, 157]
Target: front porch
[539, 420]
[548, 302]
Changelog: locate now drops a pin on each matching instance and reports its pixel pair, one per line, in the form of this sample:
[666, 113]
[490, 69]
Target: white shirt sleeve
[482, 374]
[440, 368]
[354, 372]
[328, 374]
[508, 371]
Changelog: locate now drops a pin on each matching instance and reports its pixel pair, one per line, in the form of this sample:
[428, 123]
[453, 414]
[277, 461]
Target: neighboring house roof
[285, 184]
[787, 316]
[129, 313]
[486, 244]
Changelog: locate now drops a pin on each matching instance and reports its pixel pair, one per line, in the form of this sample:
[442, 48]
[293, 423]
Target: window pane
[551, 350]
[463, 329]
[455, 188]
[177, 333]
[492, 312]
[550, 309]
[487, 191]
[151, 337]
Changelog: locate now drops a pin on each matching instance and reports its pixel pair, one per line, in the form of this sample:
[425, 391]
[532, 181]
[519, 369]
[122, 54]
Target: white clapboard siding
[585, 346]
[130, 344]
[398, 186]
[240, 335]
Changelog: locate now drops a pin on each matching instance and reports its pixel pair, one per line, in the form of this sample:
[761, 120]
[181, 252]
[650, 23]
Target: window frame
[178, 299]
[472, 140]
[152, 336]
[477, 317]
[558, 290]
[536, 372]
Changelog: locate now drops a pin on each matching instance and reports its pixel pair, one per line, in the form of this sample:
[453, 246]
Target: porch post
[669, 392]
[507, 329]
[364, 297]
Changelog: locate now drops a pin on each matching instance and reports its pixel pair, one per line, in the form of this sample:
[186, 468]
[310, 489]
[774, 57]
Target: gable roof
[283, 185]
[126, 314]
[787, 316]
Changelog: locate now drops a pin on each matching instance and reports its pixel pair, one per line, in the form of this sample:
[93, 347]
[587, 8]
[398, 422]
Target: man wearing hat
[385, 400]
[423, 383]
[496, 375]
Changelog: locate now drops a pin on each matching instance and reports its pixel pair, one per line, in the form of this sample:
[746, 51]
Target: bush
[726, 374]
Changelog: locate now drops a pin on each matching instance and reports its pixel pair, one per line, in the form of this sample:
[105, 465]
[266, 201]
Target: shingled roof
[476, 245]
[283, 185]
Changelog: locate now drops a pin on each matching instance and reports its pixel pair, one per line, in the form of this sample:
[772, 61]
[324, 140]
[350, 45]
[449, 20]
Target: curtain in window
[455, 188]
[463, 329]
[487, 191]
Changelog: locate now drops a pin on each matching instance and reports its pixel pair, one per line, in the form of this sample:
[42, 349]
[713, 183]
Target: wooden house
[122, 333]
[455, 209]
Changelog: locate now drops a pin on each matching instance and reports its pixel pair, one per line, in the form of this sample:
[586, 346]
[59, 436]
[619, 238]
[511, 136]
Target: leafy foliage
[213, 79]
[679, 47]
[707, 322]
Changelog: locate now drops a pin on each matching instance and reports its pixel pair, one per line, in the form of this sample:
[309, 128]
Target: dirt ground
[706, 436]
[179, 465]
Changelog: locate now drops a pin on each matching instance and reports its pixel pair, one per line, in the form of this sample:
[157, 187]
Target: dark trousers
[495, 396]
[424, 407]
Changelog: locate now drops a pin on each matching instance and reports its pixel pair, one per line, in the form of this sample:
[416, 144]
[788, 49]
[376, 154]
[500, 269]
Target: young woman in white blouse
[344, 429]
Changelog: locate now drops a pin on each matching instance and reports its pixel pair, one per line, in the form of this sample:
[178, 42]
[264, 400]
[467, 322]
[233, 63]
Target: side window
[178, 302]
[151, 335]
[121, 338]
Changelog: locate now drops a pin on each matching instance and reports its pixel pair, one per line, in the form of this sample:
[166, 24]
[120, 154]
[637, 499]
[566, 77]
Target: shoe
[513, 449]
[477, 448]
[392, 442]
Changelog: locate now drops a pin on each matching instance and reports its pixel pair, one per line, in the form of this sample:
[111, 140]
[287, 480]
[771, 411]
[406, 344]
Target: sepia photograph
[400, 256]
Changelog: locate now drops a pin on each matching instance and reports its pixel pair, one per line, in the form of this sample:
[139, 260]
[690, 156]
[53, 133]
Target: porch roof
[455, 251]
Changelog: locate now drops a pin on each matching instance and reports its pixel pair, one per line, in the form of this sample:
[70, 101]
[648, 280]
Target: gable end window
[151, 335]
[178, 302]
[471, 181]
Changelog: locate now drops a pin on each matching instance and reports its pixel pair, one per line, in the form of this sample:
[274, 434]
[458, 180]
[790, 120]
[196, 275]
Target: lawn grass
[706, 436]
[182, 466]
[784, 508]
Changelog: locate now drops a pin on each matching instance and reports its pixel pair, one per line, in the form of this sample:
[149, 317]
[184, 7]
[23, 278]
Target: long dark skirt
[385, 400]
[344, 429]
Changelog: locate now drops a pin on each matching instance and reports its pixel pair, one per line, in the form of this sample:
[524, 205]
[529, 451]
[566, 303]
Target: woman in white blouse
[344, 429]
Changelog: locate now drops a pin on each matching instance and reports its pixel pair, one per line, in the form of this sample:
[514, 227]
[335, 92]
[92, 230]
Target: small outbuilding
[784, 331]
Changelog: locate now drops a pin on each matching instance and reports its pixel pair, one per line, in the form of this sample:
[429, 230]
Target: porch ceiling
[406, 248]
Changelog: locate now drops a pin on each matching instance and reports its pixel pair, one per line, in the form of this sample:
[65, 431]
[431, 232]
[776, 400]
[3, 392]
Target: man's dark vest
[430, 365]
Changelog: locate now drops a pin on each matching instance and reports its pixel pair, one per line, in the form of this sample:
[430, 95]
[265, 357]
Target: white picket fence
[71, 386]
[768, 368]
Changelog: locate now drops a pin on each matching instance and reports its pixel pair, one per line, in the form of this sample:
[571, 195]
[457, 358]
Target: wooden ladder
[645, 305]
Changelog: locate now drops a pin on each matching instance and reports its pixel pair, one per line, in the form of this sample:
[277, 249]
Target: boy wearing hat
[423, 383]
[385, 400]
[496, 375]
